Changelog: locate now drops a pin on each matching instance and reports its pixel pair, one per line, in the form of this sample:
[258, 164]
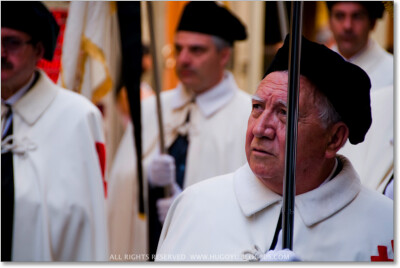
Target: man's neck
[353, 56]
[314, 177]
[198, 92]
[7, 91]
[307, 180]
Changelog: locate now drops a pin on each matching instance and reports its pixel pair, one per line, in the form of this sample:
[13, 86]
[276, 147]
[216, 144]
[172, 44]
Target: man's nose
[183, 57]
[347, 23]
[3, 51]
[264, 127]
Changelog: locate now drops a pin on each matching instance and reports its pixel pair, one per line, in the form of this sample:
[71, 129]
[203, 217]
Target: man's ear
[39, 51]
[225, 55]
[339, 133]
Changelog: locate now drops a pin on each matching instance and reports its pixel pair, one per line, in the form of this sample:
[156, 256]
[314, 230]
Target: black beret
[374, 8]
[345, 85]
[210, 18]
[33, 18]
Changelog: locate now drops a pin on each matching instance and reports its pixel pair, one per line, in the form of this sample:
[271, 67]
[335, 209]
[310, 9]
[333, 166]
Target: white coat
[373, 158]
[221, 218]
[376, 62]
[217, 128]
[59, 196]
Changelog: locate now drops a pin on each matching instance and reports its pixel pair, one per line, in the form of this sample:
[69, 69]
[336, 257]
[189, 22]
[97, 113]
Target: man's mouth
[260, 151]
[5, 65]
[347, 37]
[186, 72]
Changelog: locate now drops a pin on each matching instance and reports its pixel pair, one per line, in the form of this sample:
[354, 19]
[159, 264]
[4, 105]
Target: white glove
[279, 254]
[162, 171]
[389, 190]
[163, 204]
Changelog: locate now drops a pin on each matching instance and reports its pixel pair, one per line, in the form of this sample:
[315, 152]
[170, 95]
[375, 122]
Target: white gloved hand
[163, 204]
[162, 171]
[389, 190]
[279, 254]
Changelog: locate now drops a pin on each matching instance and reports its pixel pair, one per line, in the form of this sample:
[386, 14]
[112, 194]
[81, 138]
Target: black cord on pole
[289, 185]
[129, 19]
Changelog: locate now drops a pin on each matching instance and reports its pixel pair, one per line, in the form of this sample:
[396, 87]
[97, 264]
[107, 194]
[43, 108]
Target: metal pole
[289, 186]
[283, 19]
[157, 87]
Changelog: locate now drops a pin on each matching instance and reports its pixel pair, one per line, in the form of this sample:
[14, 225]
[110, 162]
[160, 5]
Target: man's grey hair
[220, 43]
[327, 113]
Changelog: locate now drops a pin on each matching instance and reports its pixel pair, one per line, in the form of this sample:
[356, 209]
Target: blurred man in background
[351, 24]
[204, 125]
[52, 151]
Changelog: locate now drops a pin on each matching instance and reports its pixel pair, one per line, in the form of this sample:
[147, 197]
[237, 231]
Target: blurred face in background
[199, 64]
[350, 25]
[18, 60]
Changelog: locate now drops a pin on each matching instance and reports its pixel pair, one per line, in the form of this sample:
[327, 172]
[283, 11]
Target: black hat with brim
[210, 18]
[33, 18]
[345, 85]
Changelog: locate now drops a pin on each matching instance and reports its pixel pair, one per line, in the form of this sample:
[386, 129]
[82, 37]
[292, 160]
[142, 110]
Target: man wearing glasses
[52, 151]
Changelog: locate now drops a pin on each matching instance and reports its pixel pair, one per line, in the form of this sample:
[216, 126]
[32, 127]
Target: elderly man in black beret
[236, 217]
[52, 150]
[204, 125]
[351, 24]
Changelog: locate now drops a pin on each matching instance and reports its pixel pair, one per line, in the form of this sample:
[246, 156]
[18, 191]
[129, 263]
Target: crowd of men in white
[225, 151]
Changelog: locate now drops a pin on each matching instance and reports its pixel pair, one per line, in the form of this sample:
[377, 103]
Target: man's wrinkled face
[199, 65]
[266, 130]
[18, 57]
[350, 25]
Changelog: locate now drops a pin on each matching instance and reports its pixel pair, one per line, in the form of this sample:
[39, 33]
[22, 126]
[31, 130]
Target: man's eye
[256, 106]
[282, 112]
[339, 16]
[12, 42]
[197, 50]
[359, 16]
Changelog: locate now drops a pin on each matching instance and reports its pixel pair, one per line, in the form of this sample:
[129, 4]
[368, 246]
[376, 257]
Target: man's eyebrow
[282, 102]
[255, 97]
[197, 46]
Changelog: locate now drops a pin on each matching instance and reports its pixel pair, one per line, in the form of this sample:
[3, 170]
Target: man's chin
[186, 79]
[189, 85]
[347, 48]
[261, 170]
[4, 76]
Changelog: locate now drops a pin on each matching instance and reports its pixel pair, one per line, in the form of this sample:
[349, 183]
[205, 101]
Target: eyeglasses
[13, 44]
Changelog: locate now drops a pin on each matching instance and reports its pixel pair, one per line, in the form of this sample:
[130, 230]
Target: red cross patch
[383, 254]
[101, 151]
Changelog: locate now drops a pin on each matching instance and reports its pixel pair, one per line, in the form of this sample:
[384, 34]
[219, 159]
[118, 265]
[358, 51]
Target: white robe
[218, 123]
[376, 62]
[373, 159]
[221, 218]
[59, 211]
